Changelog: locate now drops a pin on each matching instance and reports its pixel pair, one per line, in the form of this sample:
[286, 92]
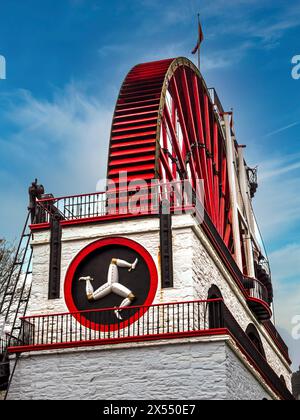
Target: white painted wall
[191, 369]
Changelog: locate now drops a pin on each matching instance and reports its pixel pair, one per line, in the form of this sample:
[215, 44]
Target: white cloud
[285, 263]
[278, 210]
[241, 18]
[63, 142]
[278, 203]
[64, 139]
[225, 57]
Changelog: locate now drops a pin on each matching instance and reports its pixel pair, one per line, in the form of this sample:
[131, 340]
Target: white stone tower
[157, 288]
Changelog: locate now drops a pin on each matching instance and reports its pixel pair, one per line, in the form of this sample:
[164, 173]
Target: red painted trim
[223, 199]
[83, 254]
[39, 226]
[254, 364]
[108, 218]
[201, 154]
[227, 235]
[284, 353]
[209, 159]
[186, 141]
[216, 175]
[103, 342]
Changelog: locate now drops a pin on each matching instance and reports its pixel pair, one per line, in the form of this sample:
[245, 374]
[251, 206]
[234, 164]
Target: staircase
[14, 303]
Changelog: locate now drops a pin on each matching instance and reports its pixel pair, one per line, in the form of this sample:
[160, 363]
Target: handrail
[120, 201]
[254, 356]
[272, 331]
[102, 325]
[258, 291]
[131, 307]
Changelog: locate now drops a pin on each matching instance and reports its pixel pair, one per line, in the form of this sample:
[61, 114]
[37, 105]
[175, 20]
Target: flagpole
[197, 49]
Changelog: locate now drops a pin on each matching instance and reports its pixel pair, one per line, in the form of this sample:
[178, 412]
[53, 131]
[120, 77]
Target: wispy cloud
[225, 57]
[285, 264]
[282, 129]
[248, 19]
[62, 141]
[278, 196]
[278, 210]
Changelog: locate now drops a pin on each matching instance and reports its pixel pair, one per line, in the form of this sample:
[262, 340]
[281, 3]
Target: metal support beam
[248, 214]
[233, 193]
[166, 247]
[55, 259]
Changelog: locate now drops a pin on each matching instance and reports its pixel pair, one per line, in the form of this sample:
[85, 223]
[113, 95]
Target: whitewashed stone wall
[196, 268]
[206, 273]
[191, 370]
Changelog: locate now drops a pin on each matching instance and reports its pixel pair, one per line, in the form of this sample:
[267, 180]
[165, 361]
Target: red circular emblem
[110, 284]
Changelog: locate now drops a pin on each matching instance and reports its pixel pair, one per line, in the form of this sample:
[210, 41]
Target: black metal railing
[216, 100]
[124, 201]
[256, 289]
[142, 323]
[256, 358]
[60, 330]
[271, 329]
[4, 365]
[72, 207]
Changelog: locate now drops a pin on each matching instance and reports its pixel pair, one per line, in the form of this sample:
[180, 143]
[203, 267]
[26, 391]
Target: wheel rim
[166, 127]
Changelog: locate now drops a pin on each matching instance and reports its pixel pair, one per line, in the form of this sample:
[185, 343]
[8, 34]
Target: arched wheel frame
[166, 127]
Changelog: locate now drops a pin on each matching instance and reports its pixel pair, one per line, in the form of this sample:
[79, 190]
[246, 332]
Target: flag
[200, 37]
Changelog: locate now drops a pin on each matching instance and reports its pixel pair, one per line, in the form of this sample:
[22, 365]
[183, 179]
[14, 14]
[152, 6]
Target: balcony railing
[102, 326]
[256, 289]
[259, 300]
[254, 356]
[271, 329]
[72, 207]
[155, 322]
[122, 202]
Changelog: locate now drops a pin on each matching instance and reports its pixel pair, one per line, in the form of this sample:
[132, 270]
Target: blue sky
[66, 60]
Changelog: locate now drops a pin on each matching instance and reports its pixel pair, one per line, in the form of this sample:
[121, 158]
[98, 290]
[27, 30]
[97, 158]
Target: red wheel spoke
[181, 118]
[223, 196]
[165, 164]
[216, 175]
[190, 117]
[227, 234]
[209, 150]
[202, 151]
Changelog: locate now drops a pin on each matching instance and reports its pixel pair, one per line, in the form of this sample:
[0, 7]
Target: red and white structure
[197, 295]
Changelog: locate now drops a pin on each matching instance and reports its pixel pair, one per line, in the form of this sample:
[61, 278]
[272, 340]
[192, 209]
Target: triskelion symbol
[112, 285]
